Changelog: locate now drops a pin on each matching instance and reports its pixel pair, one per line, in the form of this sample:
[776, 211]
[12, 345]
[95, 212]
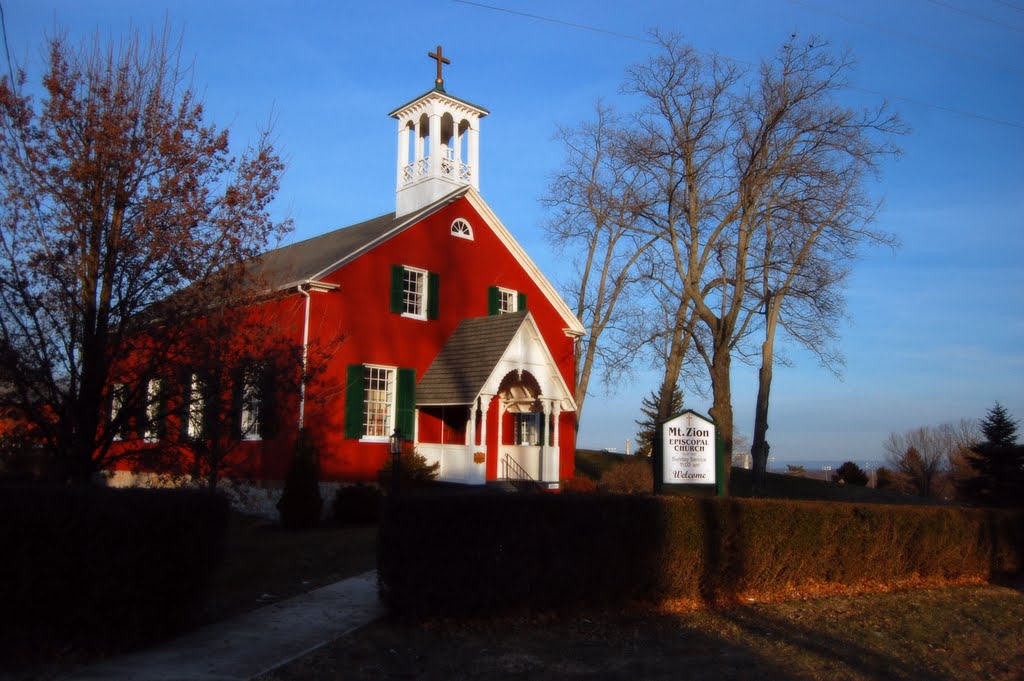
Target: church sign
[687, 456]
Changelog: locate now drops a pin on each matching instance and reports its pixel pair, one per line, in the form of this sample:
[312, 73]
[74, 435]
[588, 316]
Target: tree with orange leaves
[123, 216]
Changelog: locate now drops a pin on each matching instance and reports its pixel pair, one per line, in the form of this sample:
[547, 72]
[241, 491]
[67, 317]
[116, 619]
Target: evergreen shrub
[90, 567]
[497, 554]
[413, 469]
[300, 505]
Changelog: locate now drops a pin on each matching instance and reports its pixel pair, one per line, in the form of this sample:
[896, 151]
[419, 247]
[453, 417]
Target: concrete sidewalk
[254, 643]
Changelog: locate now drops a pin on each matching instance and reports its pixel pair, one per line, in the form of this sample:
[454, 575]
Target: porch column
[502, 408]
[485, 401]
[471, 429]
[556, 412]
[546, 407]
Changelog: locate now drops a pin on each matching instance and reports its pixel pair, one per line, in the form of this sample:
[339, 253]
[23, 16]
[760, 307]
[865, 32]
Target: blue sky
[936, 329]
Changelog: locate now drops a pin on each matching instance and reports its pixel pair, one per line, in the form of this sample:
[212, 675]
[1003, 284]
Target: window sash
[154, 410]
[508, 301]
[196, 407]
[251, 404]
[527, 429]
[414, 293]
[378, 401]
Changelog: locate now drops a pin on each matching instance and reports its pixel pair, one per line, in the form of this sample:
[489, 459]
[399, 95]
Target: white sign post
[687, 455]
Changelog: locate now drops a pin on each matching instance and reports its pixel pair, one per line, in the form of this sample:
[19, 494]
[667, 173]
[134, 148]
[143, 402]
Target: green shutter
[522, 302]
[212, 397]
[405, 405]
[492, 300]
[543, 429]
[185, 383]
[433, 294]
[397, 286]
[355, 393]
[237, 390]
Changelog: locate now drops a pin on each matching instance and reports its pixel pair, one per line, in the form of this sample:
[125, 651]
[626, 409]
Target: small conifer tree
[649, 423]
[850, 474]
[301, 504]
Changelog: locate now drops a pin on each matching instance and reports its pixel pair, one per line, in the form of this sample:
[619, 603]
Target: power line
[939, 107]
[975, 15]
[910, 100]
[7, 48]
[1004, 3]
[557, 21]
[906, 36]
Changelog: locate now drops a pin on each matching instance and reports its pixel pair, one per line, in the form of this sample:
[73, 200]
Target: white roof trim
[575, 327]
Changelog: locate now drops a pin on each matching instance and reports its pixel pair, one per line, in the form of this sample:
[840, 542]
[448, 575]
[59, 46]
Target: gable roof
[308, 261]
[467, 360]
[290, 265]
[312, 259]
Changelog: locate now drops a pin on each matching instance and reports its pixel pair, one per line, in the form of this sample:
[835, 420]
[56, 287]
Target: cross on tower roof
[441, 59]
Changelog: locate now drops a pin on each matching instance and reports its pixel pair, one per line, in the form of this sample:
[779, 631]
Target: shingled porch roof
[467, 360]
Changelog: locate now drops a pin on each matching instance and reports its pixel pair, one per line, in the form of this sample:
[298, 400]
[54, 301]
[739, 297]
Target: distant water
[779, 465]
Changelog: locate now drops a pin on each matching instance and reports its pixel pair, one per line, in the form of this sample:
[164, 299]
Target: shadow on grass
[816, 648]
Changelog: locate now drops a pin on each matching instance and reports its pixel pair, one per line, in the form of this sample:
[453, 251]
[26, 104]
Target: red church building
[450, 334]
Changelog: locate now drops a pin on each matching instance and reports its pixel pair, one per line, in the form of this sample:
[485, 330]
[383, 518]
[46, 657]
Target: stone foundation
[245, 496]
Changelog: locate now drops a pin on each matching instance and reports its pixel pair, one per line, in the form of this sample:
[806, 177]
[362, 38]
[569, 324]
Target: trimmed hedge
[486, 555]
[358, 503]
[103, 568]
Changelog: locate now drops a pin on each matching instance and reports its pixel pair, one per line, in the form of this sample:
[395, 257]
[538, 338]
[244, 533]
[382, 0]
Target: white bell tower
[438, 145]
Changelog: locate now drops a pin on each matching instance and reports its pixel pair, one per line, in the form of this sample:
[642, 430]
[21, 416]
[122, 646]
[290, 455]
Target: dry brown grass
[961, 633]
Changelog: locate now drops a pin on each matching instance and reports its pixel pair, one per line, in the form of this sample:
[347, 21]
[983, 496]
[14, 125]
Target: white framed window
[155, 410]
[251, 404]
[527, 429]
[414, 293]
[195, 428]
[378, 402]
[508, 301]
[504, 300]
[461, 229]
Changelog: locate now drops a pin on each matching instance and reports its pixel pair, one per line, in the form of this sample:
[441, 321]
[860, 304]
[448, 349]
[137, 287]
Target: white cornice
[433, 97]
[574, 326]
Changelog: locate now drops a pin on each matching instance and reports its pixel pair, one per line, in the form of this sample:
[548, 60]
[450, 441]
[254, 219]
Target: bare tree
[681, 143]
[726, 158]
[922, 456]
[596, 209]
[116, 194]
[816, 214]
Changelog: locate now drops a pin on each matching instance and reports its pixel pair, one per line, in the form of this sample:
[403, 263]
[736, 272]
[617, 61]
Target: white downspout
[305, 348]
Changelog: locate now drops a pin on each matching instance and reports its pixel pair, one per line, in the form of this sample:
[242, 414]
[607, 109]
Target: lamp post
[395, 443]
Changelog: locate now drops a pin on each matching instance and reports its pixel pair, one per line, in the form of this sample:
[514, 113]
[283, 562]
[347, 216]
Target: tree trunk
[760, 447]
[673, 363]
[721, 410]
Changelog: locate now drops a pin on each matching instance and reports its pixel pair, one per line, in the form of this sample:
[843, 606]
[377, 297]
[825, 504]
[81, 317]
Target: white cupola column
[417, 143]
[435, 144]
[403, 152]
[473, 154]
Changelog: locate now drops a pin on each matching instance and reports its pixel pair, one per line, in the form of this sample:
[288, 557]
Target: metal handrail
[517, 475]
